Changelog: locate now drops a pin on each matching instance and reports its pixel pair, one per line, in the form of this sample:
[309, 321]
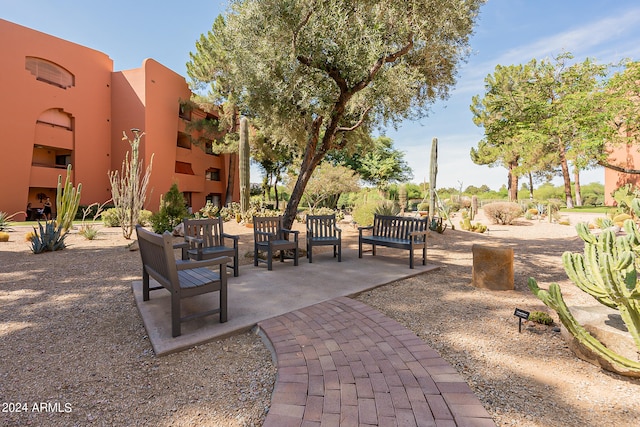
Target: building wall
[83, 125]
[626, 156]
[29, 148]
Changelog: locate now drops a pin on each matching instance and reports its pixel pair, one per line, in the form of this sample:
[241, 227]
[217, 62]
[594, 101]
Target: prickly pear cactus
[608, 271]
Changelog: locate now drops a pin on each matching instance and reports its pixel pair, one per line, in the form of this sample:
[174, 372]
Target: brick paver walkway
[343, 363]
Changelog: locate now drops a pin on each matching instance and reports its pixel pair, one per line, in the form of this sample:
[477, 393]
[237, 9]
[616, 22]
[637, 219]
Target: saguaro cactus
[433, 172]
[243, 154]
[608, 271]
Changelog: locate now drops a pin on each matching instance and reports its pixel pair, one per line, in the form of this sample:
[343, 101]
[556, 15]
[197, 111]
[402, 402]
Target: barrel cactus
[608, 271]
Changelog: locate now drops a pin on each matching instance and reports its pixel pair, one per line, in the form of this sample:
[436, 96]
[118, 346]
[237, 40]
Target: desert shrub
[144, 218]
[231, 212]
[88, 231]
[172, 211]
[363, 213]
[209, 210]
[502, 212]
[4, 221]
[541, 317]
[111, 218]
[387, 207]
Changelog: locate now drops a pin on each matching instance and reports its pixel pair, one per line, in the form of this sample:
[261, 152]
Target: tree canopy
[312, 74]
[540, 116]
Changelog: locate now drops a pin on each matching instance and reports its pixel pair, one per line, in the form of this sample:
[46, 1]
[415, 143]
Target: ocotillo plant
[129, 189]
[243, 154]
[608, 271]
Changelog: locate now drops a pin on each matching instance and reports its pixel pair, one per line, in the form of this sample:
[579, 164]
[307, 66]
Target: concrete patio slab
[258, 294]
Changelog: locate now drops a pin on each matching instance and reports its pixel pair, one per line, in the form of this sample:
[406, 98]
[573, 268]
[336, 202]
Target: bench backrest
[157, 256]
[267, 224]
[320, 226]
[210, 230]
[398, 227]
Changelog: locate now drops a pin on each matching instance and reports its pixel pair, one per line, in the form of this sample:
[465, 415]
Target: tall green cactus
[433, 173]
[243, 154]
[608, 271]
[67, 201]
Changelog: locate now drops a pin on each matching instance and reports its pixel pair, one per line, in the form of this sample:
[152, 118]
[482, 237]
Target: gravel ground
[75, 352]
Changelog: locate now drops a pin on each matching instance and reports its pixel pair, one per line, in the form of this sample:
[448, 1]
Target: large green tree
[539, 117]
[376, 161]
[311, 73]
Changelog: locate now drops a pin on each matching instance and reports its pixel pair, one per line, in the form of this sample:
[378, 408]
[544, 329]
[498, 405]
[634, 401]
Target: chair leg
[411, 257]
[255, 255]
[269, 259]
[340, 252]
[175, 314]
[145, 285]
[310, 253]
[223, 294]
[424, 255]
[235, 263]
[295, 256]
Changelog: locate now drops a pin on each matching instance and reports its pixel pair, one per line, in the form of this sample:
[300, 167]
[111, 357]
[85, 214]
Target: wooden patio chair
[323, 231]
[181, 278]
[270, 236]
[206, 240]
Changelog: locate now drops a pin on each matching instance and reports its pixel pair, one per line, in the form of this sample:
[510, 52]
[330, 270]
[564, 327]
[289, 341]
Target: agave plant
[49, 237]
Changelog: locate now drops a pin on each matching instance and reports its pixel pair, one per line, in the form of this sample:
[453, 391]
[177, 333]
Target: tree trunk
[228, 198]
[513, 183]
[530, 186]
[576, 186]
[565, 175]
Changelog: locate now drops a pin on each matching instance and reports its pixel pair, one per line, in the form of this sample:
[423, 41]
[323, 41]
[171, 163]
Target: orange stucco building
[626, 156]
[64, 104]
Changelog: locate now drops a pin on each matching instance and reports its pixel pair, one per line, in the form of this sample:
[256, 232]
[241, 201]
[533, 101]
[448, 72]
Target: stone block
[492, 267]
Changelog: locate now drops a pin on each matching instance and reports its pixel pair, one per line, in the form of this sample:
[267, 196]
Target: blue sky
[508, 32]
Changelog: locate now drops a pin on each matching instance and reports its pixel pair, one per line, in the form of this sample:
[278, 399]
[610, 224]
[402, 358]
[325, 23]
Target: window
[48, 72]
[215, 199]
[212, 175]
[184, 140]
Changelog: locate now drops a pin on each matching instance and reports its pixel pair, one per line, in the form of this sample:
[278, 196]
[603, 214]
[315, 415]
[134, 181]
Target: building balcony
[48, 135]
[46, 176]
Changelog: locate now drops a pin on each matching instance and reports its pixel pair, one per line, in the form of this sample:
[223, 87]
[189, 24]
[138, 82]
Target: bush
[363, 213]
[111, 218]
[502, 212]
[172, 211]
[145, 217]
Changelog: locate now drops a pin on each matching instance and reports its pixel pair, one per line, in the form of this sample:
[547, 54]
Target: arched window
[48, 72]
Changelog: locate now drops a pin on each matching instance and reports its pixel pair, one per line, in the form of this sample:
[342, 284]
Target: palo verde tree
[314, 72]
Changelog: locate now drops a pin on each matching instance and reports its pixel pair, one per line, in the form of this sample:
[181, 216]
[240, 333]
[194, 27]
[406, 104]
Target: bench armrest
[231, 236]
[361, 229]
[415, 234]
[204, 263]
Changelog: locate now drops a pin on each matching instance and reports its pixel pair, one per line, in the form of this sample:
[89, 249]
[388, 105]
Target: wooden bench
[396, 232]
[181, 278]
[323, 231]
[205, 239]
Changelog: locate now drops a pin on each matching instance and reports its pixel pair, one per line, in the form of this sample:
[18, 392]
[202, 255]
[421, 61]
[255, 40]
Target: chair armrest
[231, 236]
[294, 232]
[192, 239]
[180, 245]
[204, 263]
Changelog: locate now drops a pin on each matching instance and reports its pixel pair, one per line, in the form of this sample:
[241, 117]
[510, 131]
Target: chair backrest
[210, 230]
[321, 225]
[157, 256]
[398, 227]
[266, 224]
